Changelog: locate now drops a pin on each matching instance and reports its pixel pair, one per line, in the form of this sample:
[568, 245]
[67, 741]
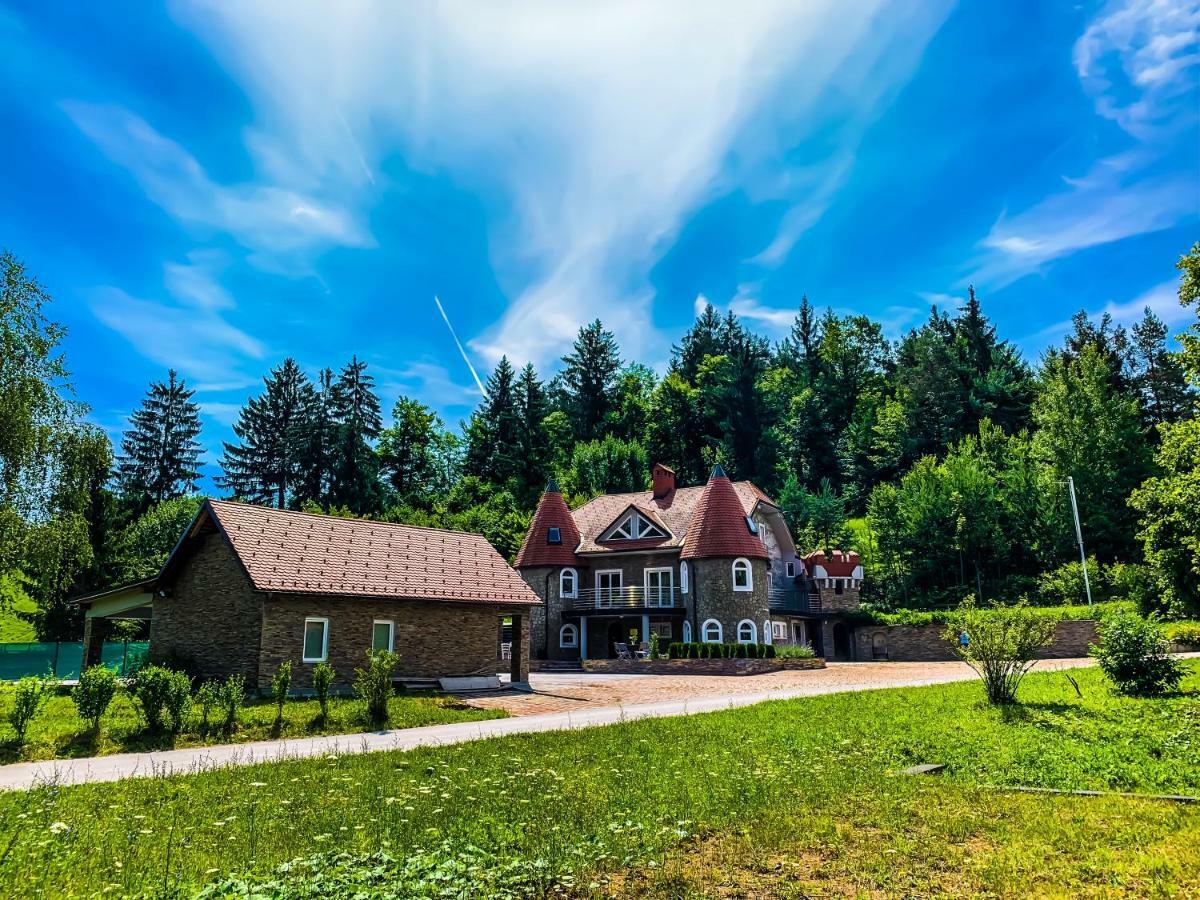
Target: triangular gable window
[632, 527]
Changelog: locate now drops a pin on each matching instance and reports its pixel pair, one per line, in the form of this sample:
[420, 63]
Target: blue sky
[215, 186]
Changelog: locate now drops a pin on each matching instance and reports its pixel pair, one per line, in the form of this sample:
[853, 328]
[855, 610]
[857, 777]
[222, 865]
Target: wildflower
[59, 827]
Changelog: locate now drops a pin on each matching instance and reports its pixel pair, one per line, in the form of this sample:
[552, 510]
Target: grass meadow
[785, 799]
[58, 732]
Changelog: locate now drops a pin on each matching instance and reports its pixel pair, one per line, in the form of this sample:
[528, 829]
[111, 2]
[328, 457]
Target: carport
[130, 601]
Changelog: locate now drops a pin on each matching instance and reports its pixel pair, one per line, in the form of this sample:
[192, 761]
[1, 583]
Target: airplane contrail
[461, 348]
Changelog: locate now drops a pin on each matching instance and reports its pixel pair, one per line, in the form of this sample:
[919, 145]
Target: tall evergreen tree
[408, 451]
[702, 340]
[800, 350]
[589, 377]
[160, 450]
[1158, 375]
[314, 443]
[271, 429]
[532, 407]
[355, 413]
[494, 432]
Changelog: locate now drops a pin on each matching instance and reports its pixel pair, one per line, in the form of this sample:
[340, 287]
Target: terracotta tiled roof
[299, 553]
[719, 526]
[551, 512]
[674, 512]
[840, 565]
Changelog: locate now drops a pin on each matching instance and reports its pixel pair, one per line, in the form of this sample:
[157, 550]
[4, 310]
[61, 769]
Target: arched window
[747, 632]
[768, 637]
[568, 583]
[687, 632]
[568, 637]
[743, 577]
[710, 631]
[683, 577]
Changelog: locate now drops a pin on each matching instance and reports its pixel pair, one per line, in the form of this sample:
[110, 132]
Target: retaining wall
[924, 643]
[698, 666]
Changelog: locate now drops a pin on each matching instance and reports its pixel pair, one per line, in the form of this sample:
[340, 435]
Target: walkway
[700, 694]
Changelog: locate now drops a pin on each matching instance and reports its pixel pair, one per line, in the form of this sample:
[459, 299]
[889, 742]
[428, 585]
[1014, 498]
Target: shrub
[771, 651]
[794, 651]
[1001, 643]
[231, 697]
[1064, 585]
[322, 678]
[95, 691]
[29, 695]
[280, 685]
[741, 651]
[1133, 654]
[208, 695]
[654, 645]
[373, 685]
[165, 696]
[1184, 632]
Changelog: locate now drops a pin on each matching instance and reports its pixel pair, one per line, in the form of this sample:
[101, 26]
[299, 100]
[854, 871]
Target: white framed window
[383, 635]
[568, 637]
[710, 632]
[662, 629]
[316, 640]
[660, 586]
[790, 568]
[683, 577]
[747, 632]
[608, 586]
[768, 632]
[633, 527]
[568, 583]
[687, 632]
[779, 631]
[743, 575]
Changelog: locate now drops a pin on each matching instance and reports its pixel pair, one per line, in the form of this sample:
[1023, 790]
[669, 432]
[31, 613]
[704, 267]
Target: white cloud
[1138, 60]
[594, 128]
[426, 380]
[1162, 299]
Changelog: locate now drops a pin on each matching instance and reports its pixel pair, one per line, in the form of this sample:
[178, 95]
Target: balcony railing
[632, 597]
[791, 599]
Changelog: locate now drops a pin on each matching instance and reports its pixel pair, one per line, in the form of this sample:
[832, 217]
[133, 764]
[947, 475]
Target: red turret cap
[552, 536]
[719, 526]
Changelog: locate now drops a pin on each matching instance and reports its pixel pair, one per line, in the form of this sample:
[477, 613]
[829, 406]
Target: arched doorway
[841, 641]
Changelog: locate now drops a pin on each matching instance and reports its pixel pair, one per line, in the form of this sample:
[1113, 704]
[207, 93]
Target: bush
[280, 685]
[231, 697]
[1133, 654]
[322, 678]
[654, 654]
[165, 696]
[29, 695]
[1184, 632]
[373, 685]
[794, 651]
[1001, 643]
[95, 691]
[1064, 585]
[208, 695]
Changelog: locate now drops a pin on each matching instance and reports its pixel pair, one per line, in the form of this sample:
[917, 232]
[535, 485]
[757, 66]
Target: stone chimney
[664, 481]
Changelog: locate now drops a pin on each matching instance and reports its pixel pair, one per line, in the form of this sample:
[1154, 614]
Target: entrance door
[660, 587]
[841, 641]
[798, 636]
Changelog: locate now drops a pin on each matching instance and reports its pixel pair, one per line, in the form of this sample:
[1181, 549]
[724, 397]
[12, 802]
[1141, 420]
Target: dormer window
[632, 527]
[554, 536]
[752, 525]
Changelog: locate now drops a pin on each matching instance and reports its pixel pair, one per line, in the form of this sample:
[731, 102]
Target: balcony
[624, 598]
[793, 600]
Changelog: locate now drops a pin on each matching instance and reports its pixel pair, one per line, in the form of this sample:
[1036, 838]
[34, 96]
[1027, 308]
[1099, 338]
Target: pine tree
[532, 407]
[355, 413]
[160, 450]
[264, 464]
[494, 432]
[314, 443]
[1158, 375]
[800, 350]
[702, 340]
[589, 377]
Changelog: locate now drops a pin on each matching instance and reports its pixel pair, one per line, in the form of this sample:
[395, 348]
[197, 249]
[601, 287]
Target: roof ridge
[299, 512]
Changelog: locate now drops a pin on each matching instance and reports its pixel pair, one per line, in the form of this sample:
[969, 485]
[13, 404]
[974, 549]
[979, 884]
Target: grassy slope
[59, 732]
[780, 798]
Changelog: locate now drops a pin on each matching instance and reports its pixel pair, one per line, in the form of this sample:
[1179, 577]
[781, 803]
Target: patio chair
[643, 650]
[623, 652]
[506, 651]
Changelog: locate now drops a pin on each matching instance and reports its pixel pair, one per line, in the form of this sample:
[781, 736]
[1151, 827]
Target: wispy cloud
[1162, 300]
[1138, 60]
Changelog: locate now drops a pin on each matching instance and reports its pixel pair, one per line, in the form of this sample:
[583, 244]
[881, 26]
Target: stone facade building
[248, 588]
[713, 563]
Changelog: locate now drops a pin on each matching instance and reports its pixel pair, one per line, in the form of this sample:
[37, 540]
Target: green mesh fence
[64, 658]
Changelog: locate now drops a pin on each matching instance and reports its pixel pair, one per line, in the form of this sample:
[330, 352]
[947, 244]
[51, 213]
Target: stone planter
[698, 666]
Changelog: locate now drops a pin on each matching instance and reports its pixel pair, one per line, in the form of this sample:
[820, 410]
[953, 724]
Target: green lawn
[59, 732]
[791, 798]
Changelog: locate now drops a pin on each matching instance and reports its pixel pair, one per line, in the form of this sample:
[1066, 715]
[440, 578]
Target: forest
[942, 457]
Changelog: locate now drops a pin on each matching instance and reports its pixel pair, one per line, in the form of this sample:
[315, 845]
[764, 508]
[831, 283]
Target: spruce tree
[532, 408]
[1158, 375]
[589, 378]
[314, 442]
[494, 432]
[355, 412]
[262, 467]
[160, 452]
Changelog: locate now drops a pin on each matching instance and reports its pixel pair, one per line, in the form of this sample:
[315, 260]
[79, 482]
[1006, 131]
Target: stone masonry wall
[715, 598]
[923, 643]
[699, 666]
[433, 639]
[211, 622]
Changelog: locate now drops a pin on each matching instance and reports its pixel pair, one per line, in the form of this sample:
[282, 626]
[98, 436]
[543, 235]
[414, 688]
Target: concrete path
[195, 759]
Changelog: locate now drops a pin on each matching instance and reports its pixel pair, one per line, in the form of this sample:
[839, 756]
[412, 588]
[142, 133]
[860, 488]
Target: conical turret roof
[719, 526]
[537, 548]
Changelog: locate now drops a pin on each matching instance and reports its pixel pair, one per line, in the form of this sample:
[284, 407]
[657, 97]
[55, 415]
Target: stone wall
[715, 598]
[924, 643]
[432, 639]
[210, 623]
[698, 666]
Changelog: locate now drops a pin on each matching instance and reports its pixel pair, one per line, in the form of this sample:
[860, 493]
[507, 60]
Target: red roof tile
[718, 527]
[536, 550]
[840, 565]
[299, 553]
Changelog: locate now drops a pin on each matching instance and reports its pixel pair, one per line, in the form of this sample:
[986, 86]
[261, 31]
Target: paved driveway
[558, 702]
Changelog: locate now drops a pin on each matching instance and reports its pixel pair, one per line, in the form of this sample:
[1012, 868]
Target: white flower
[59, 827]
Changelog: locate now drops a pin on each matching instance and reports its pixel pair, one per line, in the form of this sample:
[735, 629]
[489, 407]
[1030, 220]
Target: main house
[248, 588]
[713, 563]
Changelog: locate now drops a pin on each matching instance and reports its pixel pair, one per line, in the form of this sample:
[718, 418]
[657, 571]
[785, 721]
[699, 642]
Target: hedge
[696, 650]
